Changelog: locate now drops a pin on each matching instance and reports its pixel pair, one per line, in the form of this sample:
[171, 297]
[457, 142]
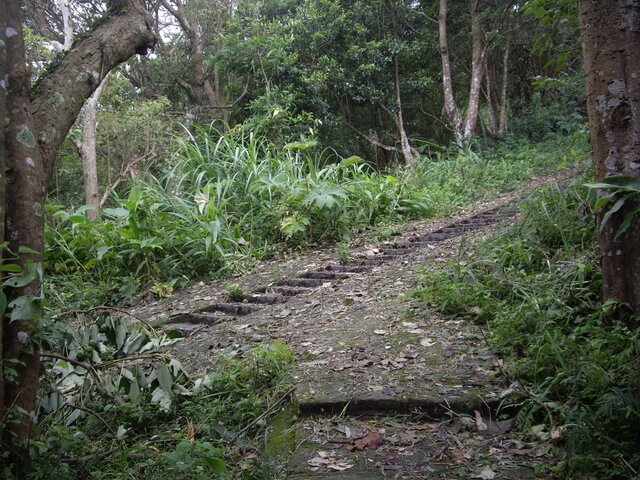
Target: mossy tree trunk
[38, 121]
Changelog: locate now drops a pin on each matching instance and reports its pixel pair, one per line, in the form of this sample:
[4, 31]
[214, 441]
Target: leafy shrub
[537, 286]
[107, 388]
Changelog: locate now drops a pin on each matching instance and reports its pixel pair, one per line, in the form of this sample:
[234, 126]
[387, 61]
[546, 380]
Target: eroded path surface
[384, 390]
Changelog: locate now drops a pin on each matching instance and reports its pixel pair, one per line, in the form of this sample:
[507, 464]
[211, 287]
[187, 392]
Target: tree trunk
[502, 123]
[87, 149]
[33, 137]
[611, 42]
[409, 153]
[199, 88]
[3, 167]
[463, 128]
[87, 146]
[477, 67]
[451, 110]
[24, 225]
[492, 122]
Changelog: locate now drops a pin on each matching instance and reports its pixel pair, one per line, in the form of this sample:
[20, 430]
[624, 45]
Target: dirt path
[383, 390]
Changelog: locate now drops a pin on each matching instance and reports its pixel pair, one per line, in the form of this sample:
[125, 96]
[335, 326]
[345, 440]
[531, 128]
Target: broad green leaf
[134, 392]
[26, 307]
[617, 183]
[134, 343]
[102, 250]
[75, 415]
[623, 182]
[602, 201]
[626, 223]
[217, 465]
[121, 432]
[183, 447]
[164, 377]
[28, 250]
[116, 212]
[30, 273]
[301, 145]
[121, 335]
[11, 267]
[77, 218]
[352, 160]
[134, 200]
[616, 206]
[161, 398]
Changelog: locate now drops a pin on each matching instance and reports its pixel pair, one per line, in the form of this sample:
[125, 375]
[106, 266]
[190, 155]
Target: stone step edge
[436, 408]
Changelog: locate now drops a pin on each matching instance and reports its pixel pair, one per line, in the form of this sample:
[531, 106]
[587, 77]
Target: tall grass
[221, 199]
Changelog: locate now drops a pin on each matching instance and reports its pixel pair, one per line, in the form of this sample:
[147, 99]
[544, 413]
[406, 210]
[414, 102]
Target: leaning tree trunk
[87, 149]
[611, 42]
[409, 153]
[33, 137]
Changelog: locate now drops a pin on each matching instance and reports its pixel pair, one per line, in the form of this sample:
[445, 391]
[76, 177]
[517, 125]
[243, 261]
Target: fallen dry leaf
[480, 425]
[371, 440]
[498, 427]
[486, 474]
[329, 460]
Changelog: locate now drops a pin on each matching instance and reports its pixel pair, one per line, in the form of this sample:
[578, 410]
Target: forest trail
[385, 389]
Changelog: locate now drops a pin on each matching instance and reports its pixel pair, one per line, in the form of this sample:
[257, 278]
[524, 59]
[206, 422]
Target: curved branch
[126, 32]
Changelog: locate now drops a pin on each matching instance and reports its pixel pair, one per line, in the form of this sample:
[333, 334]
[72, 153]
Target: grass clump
[536, 286]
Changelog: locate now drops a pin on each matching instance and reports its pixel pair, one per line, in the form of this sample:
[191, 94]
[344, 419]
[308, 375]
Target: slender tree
[463, 127]
[611, 42]
[37, 123]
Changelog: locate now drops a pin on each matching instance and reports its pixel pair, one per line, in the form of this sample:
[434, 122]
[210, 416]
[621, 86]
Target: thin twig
[89, 368]
[95, 414]
[263, 415]
[108, 309]
[147, 356]
[106, 453]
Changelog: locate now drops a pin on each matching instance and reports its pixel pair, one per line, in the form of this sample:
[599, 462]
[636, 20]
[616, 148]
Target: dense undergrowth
[222, 201]
[536, 286]
[113, 406]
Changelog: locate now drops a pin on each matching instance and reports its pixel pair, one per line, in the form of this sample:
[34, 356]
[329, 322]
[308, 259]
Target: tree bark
[492, 121]
[33, 137]
[409, 153]
[478, 56]
[24, 226]
[67, 27]
[3, 166]
[502, 122]
[87, 146]
[450, 109]
[611, 42]
[463, 128]
[199, 87]
[87, 149]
